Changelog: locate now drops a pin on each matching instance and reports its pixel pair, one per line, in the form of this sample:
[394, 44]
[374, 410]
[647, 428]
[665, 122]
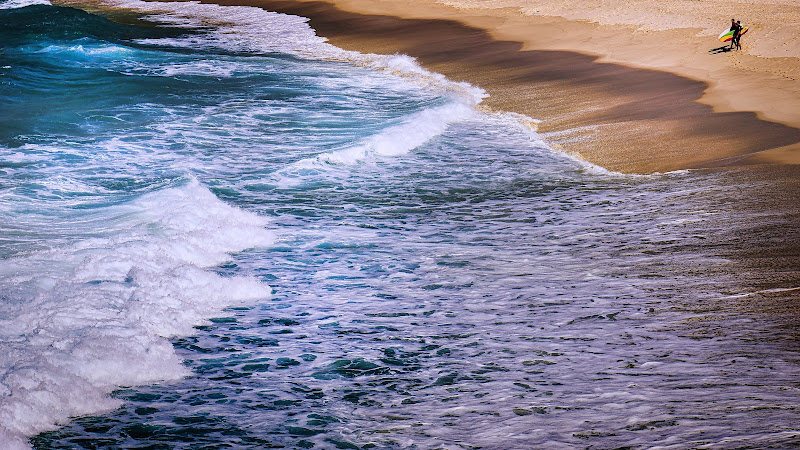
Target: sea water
[220, 231]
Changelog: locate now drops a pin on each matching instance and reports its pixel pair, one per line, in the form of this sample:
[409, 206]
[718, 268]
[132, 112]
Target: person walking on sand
[737, 35]
[734, 27]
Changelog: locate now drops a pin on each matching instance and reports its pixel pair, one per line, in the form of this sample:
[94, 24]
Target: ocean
[219, 231]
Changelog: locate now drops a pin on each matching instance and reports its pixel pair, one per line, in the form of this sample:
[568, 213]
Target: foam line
[251, 29]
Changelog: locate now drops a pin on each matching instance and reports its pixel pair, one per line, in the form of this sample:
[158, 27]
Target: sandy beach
[606, 85]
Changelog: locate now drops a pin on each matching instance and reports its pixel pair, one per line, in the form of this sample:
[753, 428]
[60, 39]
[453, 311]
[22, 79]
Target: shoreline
[623, 118]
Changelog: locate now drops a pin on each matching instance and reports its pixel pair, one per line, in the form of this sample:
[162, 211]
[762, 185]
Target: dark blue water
[219, 231]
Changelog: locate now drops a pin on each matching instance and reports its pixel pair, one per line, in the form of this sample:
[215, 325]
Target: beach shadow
[718, 50]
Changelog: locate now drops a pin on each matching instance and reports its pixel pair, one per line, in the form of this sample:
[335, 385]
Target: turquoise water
[222, 232]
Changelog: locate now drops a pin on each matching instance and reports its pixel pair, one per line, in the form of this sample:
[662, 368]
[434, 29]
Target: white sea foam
[393, 141]
[251, 29]
[205, 68]
[13, 4]
[73, 319]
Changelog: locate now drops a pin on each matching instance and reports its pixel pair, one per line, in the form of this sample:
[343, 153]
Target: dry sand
[605, 84]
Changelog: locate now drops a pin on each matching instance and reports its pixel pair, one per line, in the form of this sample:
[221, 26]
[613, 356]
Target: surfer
[737, 35]
[733, 28]
[736, 28]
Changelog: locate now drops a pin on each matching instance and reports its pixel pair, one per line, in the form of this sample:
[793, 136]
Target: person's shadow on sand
[716, 51]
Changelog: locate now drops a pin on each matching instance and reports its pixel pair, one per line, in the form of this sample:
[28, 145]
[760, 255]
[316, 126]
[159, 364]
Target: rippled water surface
[250, 240]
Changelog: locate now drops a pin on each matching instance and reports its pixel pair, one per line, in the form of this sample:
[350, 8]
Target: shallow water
[257, 240]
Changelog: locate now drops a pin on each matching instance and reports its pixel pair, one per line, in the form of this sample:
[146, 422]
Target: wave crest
[74, 318]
